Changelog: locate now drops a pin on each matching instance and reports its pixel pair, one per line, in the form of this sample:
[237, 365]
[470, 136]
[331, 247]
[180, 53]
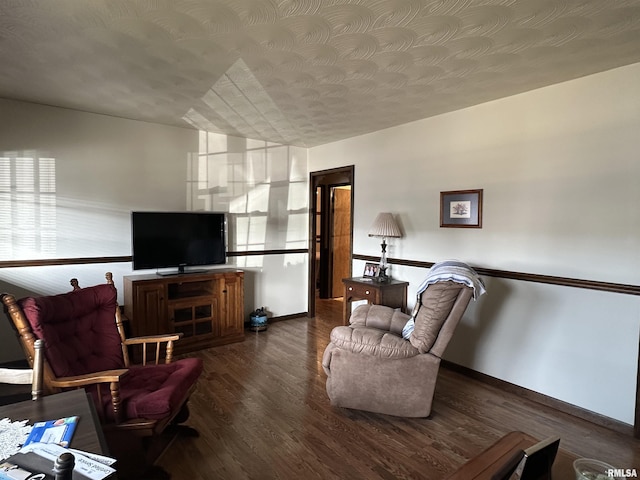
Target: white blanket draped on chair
[448, 270]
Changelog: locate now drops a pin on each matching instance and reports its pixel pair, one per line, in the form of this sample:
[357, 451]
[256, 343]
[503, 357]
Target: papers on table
[41, 445]
[57, 431]
[87, 465]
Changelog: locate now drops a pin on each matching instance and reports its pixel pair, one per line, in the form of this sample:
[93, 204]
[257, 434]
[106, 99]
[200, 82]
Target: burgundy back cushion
[78, 329]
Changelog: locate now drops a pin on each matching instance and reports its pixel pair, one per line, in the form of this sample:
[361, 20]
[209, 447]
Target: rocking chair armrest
[112, 377]
[153, 339]
[156, 342]
[105, 376]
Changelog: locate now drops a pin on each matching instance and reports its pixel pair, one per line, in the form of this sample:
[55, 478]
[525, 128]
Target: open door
[331, 226]
[339, 239]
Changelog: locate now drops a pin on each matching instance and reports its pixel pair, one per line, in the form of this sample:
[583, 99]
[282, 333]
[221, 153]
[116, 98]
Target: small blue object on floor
[258, 320]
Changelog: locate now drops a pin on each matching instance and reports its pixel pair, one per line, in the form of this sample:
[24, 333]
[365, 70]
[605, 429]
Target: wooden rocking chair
[85, 347]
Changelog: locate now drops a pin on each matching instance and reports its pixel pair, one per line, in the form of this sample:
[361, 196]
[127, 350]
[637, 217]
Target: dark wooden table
[88, 435]
[392, 293]
[488, 463]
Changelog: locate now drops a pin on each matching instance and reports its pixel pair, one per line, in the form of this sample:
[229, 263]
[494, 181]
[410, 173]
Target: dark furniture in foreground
[489, 464]
[88, 435]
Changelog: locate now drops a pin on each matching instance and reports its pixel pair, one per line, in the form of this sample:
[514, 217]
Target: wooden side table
[488, 464]
[392, 293]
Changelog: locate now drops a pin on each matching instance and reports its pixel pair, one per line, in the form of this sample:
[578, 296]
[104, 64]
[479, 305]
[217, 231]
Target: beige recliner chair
[370, 366]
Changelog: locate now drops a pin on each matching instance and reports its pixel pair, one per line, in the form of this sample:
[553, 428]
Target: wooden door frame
[331, 177]
[636, 418]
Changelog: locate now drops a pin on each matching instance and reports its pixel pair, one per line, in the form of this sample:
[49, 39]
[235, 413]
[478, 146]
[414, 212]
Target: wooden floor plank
[263, 413]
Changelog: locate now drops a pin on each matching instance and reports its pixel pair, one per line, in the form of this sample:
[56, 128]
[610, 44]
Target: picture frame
[461, 209]
[371, 270]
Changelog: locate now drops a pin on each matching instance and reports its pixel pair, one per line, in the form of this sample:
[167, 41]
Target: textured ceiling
[303, 72]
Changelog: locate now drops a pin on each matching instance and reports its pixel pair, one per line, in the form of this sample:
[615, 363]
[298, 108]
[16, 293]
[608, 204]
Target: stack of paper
[44, 444]
[87, 465]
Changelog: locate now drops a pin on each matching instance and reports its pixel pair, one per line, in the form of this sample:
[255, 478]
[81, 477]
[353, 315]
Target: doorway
[331, 232]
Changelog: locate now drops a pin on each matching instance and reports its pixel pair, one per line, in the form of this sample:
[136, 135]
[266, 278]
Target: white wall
[559, 168]
[105, 167]
[264, 188]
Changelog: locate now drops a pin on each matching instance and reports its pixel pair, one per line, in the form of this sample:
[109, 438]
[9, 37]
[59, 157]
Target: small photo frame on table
[371, 270]
[461, 209]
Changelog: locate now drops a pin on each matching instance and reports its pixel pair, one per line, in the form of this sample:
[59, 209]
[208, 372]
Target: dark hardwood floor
[263, 413]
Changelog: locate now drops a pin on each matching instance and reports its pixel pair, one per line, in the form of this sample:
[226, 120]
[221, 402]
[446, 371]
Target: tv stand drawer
[198, 288]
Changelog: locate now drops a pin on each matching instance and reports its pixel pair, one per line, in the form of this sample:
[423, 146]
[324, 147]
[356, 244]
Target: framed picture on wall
[371, 270]
[461, 209]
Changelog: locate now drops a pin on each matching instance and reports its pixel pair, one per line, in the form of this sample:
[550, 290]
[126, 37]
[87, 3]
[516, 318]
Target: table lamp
[384, 226]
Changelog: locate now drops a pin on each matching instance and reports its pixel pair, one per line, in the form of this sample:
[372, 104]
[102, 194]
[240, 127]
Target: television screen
[177, 239]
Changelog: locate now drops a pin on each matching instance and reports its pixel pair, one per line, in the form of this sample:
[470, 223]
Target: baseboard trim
[568, 408]
[287, 317]
[281, 318]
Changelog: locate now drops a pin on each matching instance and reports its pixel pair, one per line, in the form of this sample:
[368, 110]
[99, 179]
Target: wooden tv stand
[207, 308]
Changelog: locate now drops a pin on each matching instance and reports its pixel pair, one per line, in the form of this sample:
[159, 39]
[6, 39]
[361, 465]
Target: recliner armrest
[372, 341]
[380, 317]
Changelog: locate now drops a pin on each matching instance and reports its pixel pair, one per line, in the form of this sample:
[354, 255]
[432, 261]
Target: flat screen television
[178, 240]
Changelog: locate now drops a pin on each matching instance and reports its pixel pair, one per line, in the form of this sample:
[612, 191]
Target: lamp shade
[385, 226]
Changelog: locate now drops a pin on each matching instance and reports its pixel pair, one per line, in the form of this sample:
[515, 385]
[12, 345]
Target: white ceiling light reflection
[238, 99]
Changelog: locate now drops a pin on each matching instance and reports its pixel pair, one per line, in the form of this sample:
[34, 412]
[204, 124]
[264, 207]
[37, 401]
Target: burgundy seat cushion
[81, 337]
[153, 391]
